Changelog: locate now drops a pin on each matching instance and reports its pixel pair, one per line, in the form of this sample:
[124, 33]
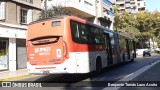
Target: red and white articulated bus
[68, 44]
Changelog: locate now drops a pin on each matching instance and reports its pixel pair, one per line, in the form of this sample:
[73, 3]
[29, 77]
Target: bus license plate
[45, 72]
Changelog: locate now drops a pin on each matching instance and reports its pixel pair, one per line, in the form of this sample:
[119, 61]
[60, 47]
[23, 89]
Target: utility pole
[45, 6]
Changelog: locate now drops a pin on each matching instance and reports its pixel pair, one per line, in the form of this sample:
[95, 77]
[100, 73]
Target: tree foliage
[142, 26]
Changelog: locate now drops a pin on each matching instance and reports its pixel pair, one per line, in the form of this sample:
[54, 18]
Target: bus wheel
[133, 56]
[98, 66]
[132, 60]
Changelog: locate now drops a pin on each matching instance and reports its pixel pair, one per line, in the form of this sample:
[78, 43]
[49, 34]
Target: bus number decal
[58, 52]
[43, 51]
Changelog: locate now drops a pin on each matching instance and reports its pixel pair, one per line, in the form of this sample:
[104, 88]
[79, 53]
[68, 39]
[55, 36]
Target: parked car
[157, 50]
[139, 52]
[146, 52]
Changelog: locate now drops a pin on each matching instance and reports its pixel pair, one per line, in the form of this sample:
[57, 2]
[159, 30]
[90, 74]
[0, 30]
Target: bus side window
[83, 37]
[75, 32]
[95, 36]
[102, 37]
[83, 33]
[92, 36]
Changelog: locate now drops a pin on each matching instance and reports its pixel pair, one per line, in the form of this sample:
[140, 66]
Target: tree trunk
[153, 42]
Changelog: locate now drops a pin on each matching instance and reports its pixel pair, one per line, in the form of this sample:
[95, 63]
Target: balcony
[127, 5]
[141, 9]
[128, 10]
[133, 6]
[108, 3]
[28, 1]
[121, 7]
[132, 0]
[127, 0]
[85, 8]
[141, 4]
[120, 2]
[133, 11]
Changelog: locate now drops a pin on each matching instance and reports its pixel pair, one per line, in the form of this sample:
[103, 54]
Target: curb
[17, 77]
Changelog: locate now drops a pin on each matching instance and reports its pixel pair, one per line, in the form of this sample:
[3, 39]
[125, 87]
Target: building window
[23, 16]
[29, 1]
[138, 4]
[88, 5]
[2, 10]
[26, 16]
[144, 4]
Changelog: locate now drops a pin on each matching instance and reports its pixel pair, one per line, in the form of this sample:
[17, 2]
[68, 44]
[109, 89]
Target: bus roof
[46, 19]
[90, 23]
[72, 17]
[62, 17]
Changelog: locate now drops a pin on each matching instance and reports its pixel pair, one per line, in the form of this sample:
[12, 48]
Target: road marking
[129, 75]
[133, 75]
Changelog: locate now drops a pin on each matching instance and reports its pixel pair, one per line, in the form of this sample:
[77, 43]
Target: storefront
[12, 47]
[3, 53]
[21, 53]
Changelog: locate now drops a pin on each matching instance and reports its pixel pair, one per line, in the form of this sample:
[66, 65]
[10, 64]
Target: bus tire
[132, 60]
[98, 66]
[123, 57]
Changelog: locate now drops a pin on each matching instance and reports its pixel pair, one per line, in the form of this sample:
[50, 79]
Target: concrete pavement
[14, 75]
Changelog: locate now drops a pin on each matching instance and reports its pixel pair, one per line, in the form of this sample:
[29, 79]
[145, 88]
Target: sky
[151, 5]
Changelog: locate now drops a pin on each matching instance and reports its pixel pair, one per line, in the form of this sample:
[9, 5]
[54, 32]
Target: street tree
[125, 23]
[147, 25]
[143, 26]
[156, 16]
[131, 31]
[57, 10]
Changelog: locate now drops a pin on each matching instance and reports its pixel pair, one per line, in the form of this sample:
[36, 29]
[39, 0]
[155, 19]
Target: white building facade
[96, 11]
[14, 17]
[131, 6]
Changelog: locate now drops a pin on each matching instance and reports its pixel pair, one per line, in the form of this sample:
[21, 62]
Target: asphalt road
[114, 73]
[92, 82]
[151, 76]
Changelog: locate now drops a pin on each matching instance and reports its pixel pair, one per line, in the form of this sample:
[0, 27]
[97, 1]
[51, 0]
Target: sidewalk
[14, 75]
